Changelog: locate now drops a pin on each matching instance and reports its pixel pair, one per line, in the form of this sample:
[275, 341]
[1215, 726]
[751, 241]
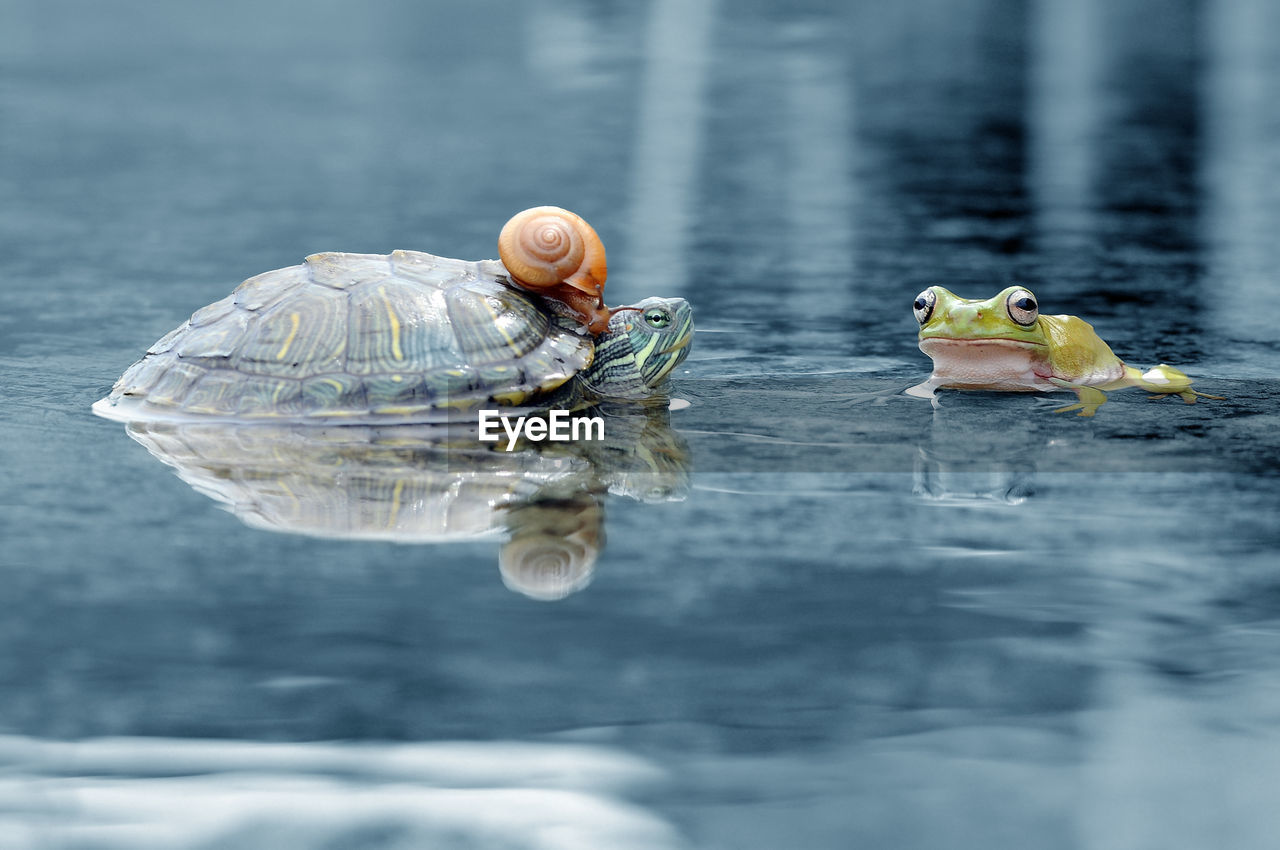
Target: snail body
[555, 253]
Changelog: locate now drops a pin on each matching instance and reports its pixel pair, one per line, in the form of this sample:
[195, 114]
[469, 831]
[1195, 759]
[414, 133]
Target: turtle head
[641, 346]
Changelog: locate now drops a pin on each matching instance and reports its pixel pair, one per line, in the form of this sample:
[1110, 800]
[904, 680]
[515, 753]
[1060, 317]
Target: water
[839, 616]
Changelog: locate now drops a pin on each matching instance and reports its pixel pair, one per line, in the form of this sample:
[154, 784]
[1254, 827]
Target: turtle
[401, 337]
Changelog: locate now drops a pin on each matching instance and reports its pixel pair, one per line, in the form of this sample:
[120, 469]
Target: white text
[556, 425]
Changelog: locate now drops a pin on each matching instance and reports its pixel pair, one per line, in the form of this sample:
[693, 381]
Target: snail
[553, 252]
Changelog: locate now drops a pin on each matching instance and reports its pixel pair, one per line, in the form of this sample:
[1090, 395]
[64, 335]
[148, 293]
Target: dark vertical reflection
[818, 157]
[777, 228]
[1146, 166]
[1115, 138]
[856, 153]
[1240, 97]
[745, 151]
[942, 92]
[782, 170]
[668, 148]
[1065, 118]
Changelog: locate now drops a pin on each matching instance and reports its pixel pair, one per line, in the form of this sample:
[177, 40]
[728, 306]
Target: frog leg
[1090, 398]
[1165, 380]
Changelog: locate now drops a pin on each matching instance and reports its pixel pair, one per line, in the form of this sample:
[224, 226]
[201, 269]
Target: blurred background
[842, 616]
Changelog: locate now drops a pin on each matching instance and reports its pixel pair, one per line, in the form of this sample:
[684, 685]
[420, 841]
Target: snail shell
[543, 247]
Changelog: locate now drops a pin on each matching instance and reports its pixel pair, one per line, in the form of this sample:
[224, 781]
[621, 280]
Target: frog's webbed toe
[1190, 396]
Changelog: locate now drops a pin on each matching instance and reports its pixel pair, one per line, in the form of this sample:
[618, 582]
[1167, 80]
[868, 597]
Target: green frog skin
[1004, 343]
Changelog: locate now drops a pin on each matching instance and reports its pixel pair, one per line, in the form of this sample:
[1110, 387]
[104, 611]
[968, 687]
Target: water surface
[854, 619]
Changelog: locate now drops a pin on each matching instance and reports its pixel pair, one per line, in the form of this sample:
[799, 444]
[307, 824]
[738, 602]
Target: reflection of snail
[553, 252]
[553, 547]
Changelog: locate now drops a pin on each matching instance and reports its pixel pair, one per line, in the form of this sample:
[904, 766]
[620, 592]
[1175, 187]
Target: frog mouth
[994, 363]
[1004, 341]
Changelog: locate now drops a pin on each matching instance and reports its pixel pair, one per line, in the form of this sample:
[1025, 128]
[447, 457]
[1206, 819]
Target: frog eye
[1022, 307]
[924, 305]
[657, 317]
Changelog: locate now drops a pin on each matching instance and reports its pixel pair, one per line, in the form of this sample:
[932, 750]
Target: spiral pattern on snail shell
[546, 246]
[553, 554]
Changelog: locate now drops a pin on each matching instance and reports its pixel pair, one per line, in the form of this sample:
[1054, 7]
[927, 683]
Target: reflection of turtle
[428, 484]
[363, 338]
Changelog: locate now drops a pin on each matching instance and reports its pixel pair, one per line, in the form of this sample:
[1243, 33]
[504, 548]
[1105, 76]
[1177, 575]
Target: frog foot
[1090, 398]
[1189, 396]
[1165, 380]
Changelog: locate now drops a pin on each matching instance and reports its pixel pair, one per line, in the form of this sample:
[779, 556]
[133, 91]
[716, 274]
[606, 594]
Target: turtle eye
[1022, 307]
[657, 318]
[924, 305]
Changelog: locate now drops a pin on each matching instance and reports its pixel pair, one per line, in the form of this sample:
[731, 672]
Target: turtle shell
[406, 336]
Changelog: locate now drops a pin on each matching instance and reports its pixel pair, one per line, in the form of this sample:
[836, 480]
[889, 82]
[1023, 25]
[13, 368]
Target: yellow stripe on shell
[294, 320]
[458, 404]
[336, 414]
[395, 503]
[396, 352]
[401, 410]
[512, 397]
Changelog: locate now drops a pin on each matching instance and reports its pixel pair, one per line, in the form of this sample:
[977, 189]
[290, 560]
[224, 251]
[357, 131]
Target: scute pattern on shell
[304, 336]
[358, 337]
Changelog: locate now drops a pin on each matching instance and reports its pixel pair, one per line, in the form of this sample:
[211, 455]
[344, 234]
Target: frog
[1005, 343]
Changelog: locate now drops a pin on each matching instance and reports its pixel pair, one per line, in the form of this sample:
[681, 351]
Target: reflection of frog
[1003, 343]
